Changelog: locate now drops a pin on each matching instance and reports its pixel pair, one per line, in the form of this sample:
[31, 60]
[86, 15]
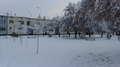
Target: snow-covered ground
[60, 52]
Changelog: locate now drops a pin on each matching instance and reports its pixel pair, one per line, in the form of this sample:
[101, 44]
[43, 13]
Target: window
[2, 21]
[51, 30]
[10, 28]
[28, 23]
[22, 22]
[11, 21]
[19, 28]
[50, 24]
[2, 28]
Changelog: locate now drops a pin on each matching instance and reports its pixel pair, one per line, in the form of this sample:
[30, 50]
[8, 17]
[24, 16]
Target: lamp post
[30, 13]
[38, 33]
[40, 11]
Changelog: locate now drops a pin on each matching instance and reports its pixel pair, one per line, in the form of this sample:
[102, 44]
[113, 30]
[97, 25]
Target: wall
[25, 19]
[3, 25]
[16, 19]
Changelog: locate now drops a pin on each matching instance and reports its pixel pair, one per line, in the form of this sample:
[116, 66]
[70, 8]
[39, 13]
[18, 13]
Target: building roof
[23, 17]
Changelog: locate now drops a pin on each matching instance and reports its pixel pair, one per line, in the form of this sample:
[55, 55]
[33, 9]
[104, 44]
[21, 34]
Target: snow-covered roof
[23, 17]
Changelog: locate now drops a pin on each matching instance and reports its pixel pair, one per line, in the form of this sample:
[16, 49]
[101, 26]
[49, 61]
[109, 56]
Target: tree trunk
[27, 41]
[75, 34]
[21, 39]
[113, 33]
[6, 36]
[59, 34]
[14, 39]
[89, 34]
[102, 35]
[37, 43]
[69, 34]
[79, 34]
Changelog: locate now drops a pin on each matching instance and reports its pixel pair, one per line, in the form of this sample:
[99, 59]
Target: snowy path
[60, 52]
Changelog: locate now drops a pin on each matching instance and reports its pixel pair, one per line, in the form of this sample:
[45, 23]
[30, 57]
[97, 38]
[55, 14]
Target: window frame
[10, 28]
[11, 21]
[22, 22]
[2, 28]
[2, 21]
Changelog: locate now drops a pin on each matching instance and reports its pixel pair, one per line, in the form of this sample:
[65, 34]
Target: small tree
[25, 30]
[38, 28]
[14, 31]
[56, 24]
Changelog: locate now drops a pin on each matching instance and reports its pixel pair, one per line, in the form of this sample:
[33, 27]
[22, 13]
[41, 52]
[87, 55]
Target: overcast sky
[49, 8]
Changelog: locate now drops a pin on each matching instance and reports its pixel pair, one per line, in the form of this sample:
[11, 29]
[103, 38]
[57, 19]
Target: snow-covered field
[60, 52]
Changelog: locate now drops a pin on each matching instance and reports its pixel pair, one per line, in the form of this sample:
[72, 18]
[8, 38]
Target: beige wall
[16, 19]
[25, 19]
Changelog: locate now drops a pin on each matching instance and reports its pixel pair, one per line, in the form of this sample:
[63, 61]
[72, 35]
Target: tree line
[90, 16]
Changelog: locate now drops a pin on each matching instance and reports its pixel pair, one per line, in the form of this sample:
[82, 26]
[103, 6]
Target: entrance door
[57, 31]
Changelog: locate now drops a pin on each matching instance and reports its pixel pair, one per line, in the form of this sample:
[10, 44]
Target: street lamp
[38, 36]
[40, 11]
[30, 13]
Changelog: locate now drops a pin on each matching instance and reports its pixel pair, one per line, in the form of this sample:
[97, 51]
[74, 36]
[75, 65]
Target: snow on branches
[56, 22]
[38, 27]
[90, 16]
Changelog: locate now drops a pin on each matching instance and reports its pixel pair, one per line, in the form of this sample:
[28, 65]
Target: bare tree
[56, 24]
[38, 28]
[68, 19]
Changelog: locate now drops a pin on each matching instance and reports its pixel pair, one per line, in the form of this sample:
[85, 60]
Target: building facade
[3, 25]
[12, 19]
[7, 23]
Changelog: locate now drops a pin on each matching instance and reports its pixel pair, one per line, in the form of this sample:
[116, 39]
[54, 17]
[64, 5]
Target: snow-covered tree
[116, 14]
[84, 15]
[56, 24]
[14, 30]
[38, 28]
[45, 27]
[68, 18]
[98, 15]
[92, 15]
[108, 11]
[24, 30]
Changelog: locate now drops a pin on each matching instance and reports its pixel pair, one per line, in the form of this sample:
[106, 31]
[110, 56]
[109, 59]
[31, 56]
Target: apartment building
[7, 23]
